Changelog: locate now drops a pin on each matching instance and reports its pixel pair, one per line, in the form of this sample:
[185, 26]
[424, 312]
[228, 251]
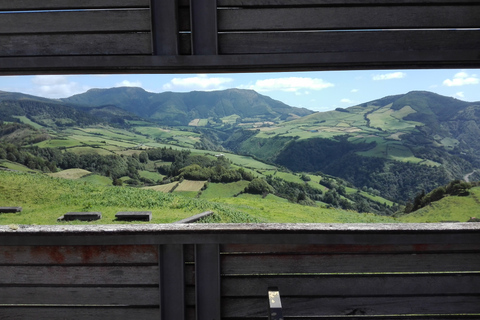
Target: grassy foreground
[45, 198]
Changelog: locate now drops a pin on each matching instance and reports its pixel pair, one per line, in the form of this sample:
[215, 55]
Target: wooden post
[172, 282]
[274, 304]
[207, 281]
[204, 27]
[164, 27]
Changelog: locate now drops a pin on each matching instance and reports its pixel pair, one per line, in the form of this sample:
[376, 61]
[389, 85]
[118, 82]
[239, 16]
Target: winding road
[466, 177]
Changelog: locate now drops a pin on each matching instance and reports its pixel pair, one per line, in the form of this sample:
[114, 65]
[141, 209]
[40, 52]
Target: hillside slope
[171, 108]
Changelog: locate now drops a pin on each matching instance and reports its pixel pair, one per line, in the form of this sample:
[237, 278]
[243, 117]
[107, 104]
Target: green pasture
[155, 176]
[15, 166]
[59, 196]
[25, 120]
[96, 180]
[223, 190]
[451, 208]
[90, 150]
[58, 143]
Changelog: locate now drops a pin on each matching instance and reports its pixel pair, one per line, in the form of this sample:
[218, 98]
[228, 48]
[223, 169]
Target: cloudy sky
[318, 91]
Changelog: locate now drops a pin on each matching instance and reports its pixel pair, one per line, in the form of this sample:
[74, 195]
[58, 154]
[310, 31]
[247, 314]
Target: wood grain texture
[73, 275]
[76, 44]
[78, 255]
[284, 264]
[341, 42]
[338, 248]
[314, 306]
[353, 285]
[76, 22]
[343, 18]
[85, 313]
[79, 296]
[71, 4]
[296, 3]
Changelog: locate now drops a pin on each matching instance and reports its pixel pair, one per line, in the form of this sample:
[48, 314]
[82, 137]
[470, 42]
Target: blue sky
[318, 91]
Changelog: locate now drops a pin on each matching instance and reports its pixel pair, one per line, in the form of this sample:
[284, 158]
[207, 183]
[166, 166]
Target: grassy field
[223, 190]
[59, 196]
[70, 174]
[190, 185]
[452, 208]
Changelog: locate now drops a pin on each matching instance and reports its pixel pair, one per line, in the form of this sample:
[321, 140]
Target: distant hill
[56, 113]
[171, 108]
[398, 145]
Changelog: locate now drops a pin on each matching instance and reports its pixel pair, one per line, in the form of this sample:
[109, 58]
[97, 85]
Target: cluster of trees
[14, 153]
[454, 188]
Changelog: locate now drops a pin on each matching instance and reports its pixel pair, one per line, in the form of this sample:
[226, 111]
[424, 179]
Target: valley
[322, 167]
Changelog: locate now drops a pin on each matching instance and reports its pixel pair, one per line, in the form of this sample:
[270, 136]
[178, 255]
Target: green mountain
[171, 108]
[398, 145]
[44, 112]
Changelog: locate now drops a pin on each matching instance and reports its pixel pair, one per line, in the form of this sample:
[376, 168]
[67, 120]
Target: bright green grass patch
[70, 174]
[155, 176]
[188, 194]
[59, 196]
[451, 208]
[15, 166]
[58, 143]
[96, 179]
[89, 150]
[25, 120]
[270, 211]
[223, 190]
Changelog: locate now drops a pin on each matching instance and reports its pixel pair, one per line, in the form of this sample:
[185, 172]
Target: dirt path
[466, 177]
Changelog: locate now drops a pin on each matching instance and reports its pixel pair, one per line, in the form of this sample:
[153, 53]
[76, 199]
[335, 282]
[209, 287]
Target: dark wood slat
[172, 283]
[71, 4]
[355, 285]
[308, 249]
[310, 42]
[91, 275]
[207, 278]
[453, 305]
[62, 313]
[78, 255]
[341, 18]
[76, 44]
[165, 27]
[75, 21]
[204, 27]
[290, 3]
[255, 264]
[79, 296]
[372, 60]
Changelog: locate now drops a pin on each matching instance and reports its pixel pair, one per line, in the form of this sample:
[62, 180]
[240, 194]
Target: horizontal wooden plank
[361, 41]
[347, 263]
[129, 296]
[76, 44]
[342, 18]
[357, 234]
[296, 3]
[136, 20]
[413, 305]
[320, 61]
[73, 275]
[71, 4]
[334, 248]
[78, 255]
[62, 313]
[353, 285]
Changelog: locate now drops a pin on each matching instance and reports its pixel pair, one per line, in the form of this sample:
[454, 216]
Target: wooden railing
[171, 36]
[360, 271]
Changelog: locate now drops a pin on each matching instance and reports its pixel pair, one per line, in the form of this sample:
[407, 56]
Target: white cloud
[460, 94]
[389, 76]
[347, 101]
[56, 86]
[291, 84]
[354, 90]
[126, 83]
[461, 79]
[199, 82]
